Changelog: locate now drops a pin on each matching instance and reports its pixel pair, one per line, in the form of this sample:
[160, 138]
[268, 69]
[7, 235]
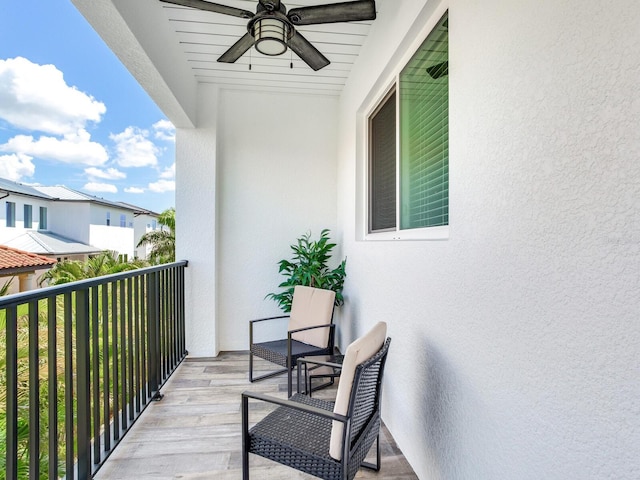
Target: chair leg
[250, 366]
[245, 438]
[261, 377]
[374, 466]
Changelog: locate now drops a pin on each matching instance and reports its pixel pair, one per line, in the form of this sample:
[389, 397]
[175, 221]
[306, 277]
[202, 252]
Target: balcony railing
[81, 362]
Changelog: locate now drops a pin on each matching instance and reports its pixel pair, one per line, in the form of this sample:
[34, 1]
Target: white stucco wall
[272, 180]
[516, 342]
[118, 239]
[277, 181]
[71, 220]
[195, 213]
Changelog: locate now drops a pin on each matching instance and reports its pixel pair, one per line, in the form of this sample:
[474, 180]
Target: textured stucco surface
[516, 351]
[196, 162]
[250, 184]
[277, 181]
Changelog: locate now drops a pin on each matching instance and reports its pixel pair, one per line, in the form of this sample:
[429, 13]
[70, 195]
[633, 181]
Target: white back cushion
[311, 306]
[360, 350]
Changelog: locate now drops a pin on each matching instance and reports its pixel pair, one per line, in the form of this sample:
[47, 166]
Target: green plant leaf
[309, 266]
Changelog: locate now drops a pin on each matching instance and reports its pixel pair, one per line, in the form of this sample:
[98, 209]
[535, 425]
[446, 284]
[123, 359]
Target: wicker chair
[310, 332]
[310, 435]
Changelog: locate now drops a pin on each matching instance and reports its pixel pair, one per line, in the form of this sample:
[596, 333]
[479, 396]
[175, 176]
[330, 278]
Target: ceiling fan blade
[334, 13]
[270, 5]
[237, 49]
[212, 7]
[438, 70]
[307, 52]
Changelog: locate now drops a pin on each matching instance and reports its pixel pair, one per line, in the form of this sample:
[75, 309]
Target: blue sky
[71, 114]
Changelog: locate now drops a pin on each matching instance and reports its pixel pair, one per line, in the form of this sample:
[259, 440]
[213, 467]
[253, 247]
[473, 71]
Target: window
[28, 216]
[108, 218]
[123, 220]
[409, 143]
[11, 214]
[382, 166]
[154, 224]
[43, 218]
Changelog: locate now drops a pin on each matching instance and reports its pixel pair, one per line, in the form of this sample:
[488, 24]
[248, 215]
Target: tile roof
[15, 260]
[47, 243]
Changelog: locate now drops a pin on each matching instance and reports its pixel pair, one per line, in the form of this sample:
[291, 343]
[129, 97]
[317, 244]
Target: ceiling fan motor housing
[271, 30]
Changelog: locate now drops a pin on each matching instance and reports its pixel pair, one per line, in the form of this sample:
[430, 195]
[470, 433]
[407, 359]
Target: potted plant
[309, 267]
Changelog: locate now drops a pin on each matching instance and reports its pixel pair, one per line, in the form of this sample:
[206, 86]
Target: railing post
[153, 324]
[68, 387]
[84, 397]
[34, 392]
[52, 349]
[12, 394]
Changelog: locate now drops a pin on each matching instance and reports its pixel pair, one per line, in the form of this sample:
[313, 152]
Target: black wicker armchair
[308, 434]
[310, 332]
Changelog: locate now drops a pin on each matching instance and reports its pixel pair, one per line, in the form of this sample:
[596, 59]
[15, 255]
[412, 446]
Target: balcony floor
[195, 433]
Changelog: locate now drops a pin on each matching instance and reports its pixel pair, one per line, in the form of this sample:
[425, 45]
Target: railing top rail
[38, 294]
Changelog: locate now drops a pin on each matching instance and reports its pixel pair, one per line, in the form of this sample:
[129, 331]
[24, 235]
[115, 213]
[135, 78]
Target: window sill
[431, 233]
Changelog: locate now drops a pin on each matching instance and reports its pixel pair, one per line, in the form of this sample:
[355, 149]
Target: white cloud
[162, 186]
[169, 172]
[164, 130]
[134, 149]
[108, 174]
[100, 187]
[36, 98]
[16, 166]
[73, 148]
[134, 190]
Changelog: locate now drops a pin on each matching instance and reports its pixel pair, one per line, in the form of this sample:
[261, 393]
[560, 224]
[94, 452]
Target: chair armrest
[324, 325]
[257, 320]
[295, 405]
[320, 363]
[268, 318]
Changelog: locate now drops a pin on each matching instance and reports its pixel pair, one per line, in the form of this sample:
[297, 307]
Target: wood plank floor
[195, 433]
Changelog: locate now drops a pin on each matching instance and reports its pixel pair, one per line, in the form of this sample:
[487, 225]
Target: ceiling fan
[272, 29]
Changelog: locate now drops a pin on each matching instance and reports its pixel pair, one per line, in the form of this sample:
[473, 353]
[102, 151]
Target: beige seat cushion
[359, 351]
[311, 306]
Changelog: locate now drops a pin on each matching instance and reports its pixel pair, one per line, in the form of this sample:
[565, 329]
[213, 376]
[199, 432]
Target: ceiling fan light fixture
[271, 35]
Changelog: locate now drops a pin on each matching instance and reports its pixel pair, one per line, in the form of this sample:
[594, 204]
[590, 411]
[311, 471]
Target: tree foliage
[4, 289]
[163, 240]
[105, 263]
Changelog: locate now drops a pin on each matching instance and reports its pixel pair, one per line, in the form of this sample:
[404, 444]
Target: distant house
[21, 264]
[62, 223]
[144, 221]
[23, 208]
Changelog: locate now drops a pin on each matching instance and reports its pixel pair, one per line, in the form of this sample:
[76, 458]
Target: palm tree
[5, 288]
[105, 263]
[162, 241]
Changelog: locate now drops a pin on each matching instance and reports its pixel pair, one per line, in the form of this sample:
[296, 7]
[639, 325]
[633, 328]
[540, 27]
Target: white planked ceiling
[204, 36]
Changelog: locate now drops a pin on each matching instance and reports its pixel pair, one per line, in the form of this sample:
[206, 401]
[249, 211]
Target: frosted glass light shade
[270, 36]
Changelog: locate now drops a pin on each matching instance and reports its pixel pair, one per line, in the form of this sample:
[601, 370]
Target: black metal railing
[81, 362]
